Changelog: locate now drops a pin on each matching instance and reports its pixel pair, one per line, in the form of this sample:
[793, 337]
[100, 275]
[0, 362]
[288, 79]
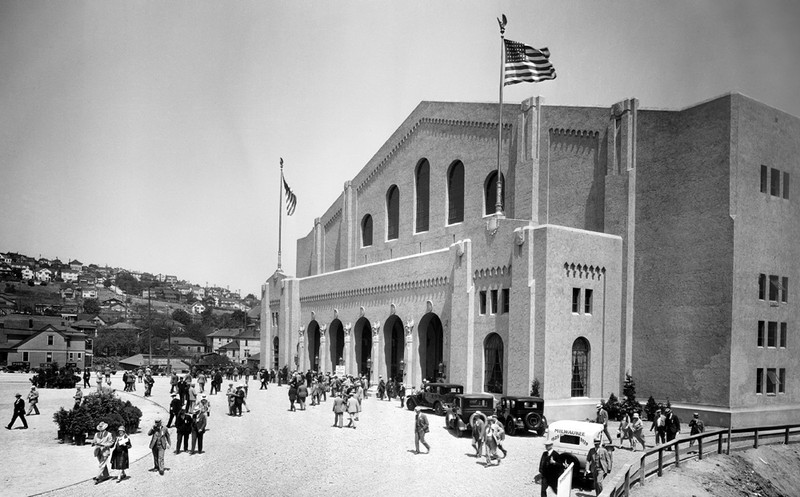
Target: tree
[107, 283]
[182, 317]
[630, 405]
[238, 318]
[128, 283]
[91, 306]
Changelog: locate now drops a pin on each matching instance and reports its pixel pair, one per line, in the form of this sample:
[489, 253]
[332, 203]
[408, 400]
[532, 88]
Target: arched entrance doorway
[362, 333]
[336, 334]
[394, 346]
[312, 345]
[431, 346]
[275, 354]
[493, 363]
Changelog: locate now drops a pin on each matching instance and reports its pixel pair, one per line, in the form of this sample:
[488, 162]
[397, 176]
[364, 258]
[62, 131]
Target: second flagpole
[280, 214]
[498, 206]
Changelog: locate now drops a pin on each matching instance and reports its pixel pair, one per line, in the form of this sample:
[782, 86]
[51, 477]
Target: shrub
[630, 405]
[650, 408]
[613, 407]
[535, 387]
[102, 406]
[54, 377]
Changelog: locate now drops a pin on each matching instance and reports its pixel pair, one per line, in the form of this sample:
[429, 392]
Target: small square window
[772, 334]
[49, 339]
[782, 380]
[506, 300]
[784, 289]
[764, 173]
[576, 300]
[482, 301]
[774, 182]
[49, 357]
[782, 341]
[760, 341]
[772, 381]
[774, 287]
[786, 185]
[494, 302]
[587, 302]
[762, 286]
[759, 380]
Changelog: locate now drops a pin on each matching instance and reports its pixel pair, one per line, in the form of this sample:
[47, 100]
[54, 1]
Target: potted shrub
[63, 419]
[81, 424]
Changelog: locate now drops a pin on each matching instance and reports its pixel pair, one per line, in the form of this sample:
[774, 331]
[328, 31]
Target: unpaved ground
[769, 471]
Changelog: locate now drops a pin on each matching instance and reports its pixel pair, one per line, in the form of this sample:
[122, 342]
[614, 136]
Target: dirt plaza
[269, 451]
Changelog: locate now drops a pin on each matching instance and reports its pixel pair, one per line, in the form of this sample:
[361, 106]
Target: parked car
[572, 440]
[434, 396]
[521, 414]
[459, 413]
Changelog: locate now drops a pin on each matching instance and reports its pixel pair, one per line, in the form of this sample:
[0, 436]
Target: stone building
[660, 243]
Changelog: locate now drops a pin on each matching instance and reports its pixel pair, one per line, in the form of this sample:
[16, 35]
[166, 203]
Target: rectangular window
[759, 380]
[67, 342]
[774, 286]
[762, 286]
[482, 298]
[782, 380]
[49, 339]
[587, 302]
[506, 300]
[774, 182]
[763, 179]
[772, 334]
[494, 302]
[784, 289]
[71, 357]
[782, 341]
[772, 381]
[79, 356]
[786, 185]
[760, 340]
[49, 357]
[576, 300]
[88, 344]
[25, 356]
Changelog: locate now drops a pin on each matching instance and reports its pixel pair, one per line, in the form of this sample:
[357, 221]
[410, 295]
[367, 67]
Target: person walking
[660, 426]
[33, 399]
[381, 387]
[602, 418]
[78, 397]
[199, 422]
[173, 382]
[87, 378]
[183, 426]
[174, 409]
[302, 393]
[625, 431]
[201, 382]
[478, 423]
[292, 395]
[19, 412]
[338, 410]
[119, 456]
[103, 442]
[191, 397]
[696, 426]
[637, 426]
[148, 385]
[492, 440]
[159, 443]
[421, 427]
[352, 410]
[598, 464]
[401, 392]
[549, 468]
[673, 426]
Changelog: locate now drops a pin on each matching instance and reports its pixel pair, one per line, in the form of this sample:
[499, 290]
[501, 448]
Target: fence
[655, 460]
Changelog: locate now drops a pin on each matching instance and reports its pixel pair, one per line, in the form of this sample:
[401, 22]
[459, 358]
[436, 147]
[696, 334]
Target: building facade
[659, 243]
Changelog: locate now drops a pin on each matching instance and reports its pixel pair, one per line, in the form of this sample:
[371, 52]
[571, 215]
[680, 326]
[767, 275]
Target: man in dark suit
[19, 412]
[338, 410]
[159, 443]
[421, 427]
[598, 463]
[175, 406]
[549, 468]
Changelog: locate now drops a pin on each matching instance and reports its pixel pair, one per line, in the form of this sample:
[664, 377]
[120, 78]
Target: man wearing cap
[19, 412]
[78, 397]
[598, 464]
[421, 427]
[102, 442]
[602, 418]
[696, 426]
[549, 466]
[159, 443]
[174, 408]
[198, 429]
[183, 427]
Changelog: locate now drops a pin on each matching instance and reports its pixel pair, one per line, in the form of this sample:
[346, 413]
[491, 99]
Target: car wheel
[511, 427]
[533, 420]
[438, 408]
[411, 404]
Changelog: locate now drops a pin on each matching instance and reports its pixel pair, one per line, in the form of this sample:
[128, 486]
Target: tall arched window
[490, 193]
[422, 183]
[275, 351]
[493, 363]
[392, 212]
[580, 368]
[455, 193]
[366, 231]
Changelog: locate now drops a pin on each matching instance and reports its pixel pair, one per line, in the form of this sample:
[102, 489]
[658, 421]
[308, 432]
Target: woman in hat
[637, 426]
[119, 457]
[102, 442]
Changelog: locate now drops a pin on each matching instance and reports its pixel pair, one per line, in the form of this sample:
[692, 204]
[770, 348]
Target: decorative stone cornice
[573, 270]
[580, 133]
[336, 215]
[413, 129]
[492, 271]
[373, 290]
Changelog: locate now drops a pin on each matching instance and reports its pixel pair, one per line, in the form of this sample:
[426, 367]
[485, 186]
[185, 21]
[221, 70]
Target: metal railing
[655, 460]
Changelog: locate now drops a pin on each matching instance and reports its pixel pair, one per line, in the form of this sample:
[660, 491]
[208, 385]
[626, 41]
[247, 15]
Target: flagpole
[280, 214]
[498, 207]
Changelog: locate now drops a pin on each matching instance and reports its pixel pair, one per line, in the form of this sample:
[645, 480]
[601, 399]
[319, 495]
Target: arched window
[366, 231]
[490, 193]
[392, 212]
[422, 176]
[275, 350]
[580, 368]
[455, 193]
[493, 363]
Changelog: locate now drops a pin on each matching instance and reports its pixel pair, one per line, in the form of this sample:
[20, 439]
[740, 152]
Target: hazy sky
[146, 134]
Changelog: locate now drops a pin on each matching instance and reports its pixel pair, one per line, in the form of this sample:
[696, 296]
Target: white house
[44, 274]
[27, 273]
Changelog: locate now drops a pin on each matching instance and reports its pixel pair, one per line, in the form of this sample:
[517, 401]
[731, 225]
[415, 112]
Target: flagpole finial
[281, 161]
[502, 23]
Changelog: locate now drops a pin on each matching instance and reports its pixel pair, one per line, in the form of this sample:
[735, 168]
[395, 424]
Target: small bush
[650, 408]
[613, 407]
[54, 377]
[97, 407]
[535, 387]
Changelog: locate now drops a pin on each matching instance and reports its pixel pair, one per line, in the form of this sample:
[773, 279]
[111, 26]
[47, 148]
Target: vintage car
[572, 440]
[435, 396]
[521, 414]
[459, 413]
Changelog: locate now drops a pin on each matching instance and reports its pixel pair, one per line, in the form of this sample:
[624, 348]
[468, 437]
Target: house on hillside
[69, 276]
[188, 346]
[27, 273]
[89, 292]
[232, 350]
[7, 305]
[114, 305]
[76, 265]
[198, 307]
[44, 274]
[220, 337]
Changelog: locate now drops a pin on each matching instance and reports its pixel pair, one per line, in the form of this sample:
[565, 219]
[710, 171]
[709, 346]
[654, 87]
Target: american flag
[291, 199]
[526, 64]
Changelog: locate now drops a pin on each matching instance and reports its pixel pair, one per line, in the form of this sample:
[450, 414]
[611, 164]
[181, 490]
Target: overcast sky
[147, 134]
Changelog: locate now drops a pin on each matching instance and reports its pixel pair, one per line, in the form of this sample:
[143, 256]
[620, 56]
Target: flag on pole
[291, 198]
[526, 64]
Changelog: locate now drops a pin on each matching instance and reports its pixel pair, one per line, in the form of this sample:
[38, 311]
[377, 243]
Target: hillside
[769, 471]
